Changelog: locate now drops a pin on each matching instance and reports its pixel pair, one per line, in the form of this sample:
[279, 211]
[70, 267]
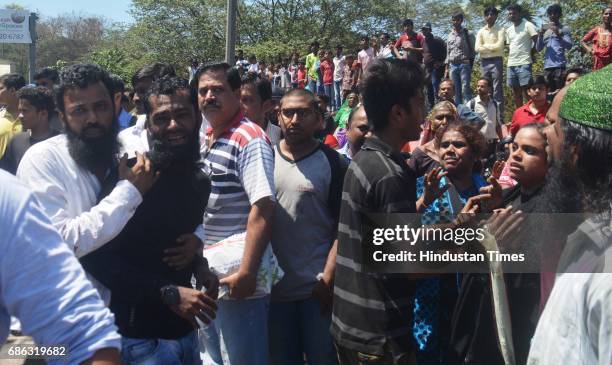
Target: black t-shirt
[434, 50]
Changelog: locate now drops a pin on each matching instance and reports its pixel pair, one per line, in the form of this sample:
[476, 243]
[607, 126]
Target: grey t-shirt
[303, 228]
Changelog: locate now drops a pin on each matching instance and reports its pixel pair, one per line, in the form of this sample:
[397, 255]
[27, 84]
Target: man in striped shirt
[238, 157]
[371, 320]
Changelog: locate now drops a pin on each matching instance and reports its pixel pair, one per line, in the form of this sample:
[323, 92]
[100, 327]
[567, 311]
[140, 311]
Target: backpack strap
[338, 165]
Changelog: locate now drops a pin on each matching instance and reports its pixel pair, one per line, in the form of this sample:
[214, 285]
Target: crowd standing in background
[217, 218]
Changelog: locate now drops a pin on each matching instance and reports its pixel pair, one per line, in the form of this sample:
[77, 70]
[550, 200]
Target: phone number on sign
[11, 36]
[32, 351]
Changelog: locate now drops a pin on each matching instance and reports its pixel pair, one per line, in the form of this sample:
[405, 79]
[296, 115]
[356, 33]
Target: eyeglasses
[301, 112]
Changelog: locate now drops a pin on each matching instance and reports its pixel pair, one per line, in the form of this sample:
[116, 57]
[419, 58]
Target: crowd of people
[218, 219]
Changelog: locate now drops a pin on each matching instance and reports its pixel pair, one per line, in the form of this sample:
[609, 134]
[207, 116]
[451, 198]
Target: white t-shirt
[338, 67]
[519, 39]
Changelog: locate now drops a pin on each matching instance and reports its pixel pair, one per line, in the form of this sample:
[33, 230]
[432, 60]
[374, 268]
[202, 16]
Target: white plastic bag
[224, 258]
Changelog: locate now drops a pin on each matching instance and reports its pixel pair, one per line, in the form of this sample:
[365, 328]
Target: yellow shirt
[490, 41]
[9, 126]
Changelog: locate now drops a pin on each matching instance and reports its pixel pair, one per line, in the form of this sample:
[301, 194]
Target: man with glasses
[308, 175]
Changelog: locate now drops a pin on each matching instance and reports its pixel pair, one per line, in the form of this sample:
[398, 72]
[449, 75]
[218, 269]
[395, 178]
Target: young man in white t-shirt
[521, 36]
[256, 102]
[339, 63]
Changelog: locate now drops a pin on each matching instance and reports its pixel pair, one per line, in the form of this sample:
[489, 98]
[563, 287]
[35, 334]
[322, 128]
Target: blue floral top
[431, 314]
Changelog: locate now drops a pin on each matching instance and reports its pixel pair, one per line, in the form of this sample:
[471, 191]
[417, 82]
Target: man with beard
[67, 171]
[575, 325]
[141, 81]
[152, 297]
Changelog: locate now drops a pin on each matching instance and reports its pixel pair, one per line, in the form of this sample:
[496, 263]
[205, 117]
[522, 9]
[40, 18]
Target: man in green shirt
[311, 70]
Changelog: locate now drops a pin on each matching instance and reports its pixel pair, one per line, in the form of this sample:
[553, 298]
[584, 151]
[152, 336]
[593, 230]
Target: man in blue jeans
[459, 59]
[339, 63]
[308, 176]
[239, 160]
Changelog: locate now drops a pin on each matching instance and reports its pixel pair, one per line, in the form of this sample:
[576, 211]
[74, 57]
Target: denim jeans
[461, 74]
[146, 351]
[337, 94]
[433, 76]
[298, 328]
[329, 91]
[493, 68]
[239, 333]
[312, 85]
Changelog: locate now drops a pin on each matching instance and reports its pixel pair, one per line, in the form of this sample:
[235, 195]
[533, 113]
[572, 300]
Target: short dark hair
[302, 93]
[262, 85]
[537, 79]
[488, 80]
[554, 9]
[573, 70]
[169, 85]
[324, 98]
[448, 80]
[408, 22]
[13, 81]
[153, 71]
[387, 83]
[515, 7]
[457, 15]
[40, 97]
[364, 38]
[47, 73]
[81, 76]
[491, 10]
[385, 34]
[118, 84]
[231, 73]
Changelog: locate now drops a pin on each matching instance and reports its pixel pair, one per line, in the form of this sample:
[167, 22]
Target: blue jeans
[146, 351]
[239, 333]
[312, 85]
[461, 74]
[493, 69]
[329, 91]
[337, 94]
[433, 76]
[298, 328]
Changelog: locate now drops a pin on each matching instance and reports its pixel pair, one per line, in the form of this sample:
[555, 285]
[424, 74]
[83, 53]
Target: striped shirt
[372, 312]
[240, 164]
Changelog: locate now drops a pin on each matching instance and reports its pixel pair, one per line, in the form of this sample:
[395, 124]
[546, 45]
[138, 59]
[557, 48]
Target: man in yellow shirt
[490, 45]
[9, 125]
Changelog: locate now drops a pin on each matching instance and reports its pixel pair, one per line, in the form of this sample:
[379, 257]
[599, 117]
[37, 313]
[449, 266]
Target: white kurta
[69, 193]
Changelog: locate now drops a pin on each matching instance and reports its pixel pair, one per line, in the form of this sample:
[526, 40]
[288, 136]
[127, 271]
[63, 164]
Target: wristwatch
[170, 295]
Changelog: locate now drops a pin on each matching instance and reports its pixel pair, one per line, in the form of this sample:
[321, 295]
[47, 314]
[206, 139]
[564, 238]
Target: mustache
[211, 104]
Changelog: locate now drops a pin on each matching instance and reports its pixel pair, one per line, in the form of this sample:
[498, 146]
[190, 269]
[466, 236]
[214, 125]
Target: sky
[114, 10]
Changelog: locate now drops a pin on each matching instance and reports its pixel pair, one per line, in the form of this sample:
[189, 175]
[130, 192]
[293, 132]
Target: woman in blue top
[442, 194]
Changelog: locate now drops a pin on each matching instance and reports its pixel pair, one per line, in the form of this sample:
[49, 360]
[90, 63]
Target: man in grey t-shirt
[308, 177]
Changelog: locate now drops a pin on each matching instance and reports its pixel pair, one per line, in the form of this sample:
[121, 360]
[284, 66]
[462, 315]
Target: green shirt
[311, 62]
